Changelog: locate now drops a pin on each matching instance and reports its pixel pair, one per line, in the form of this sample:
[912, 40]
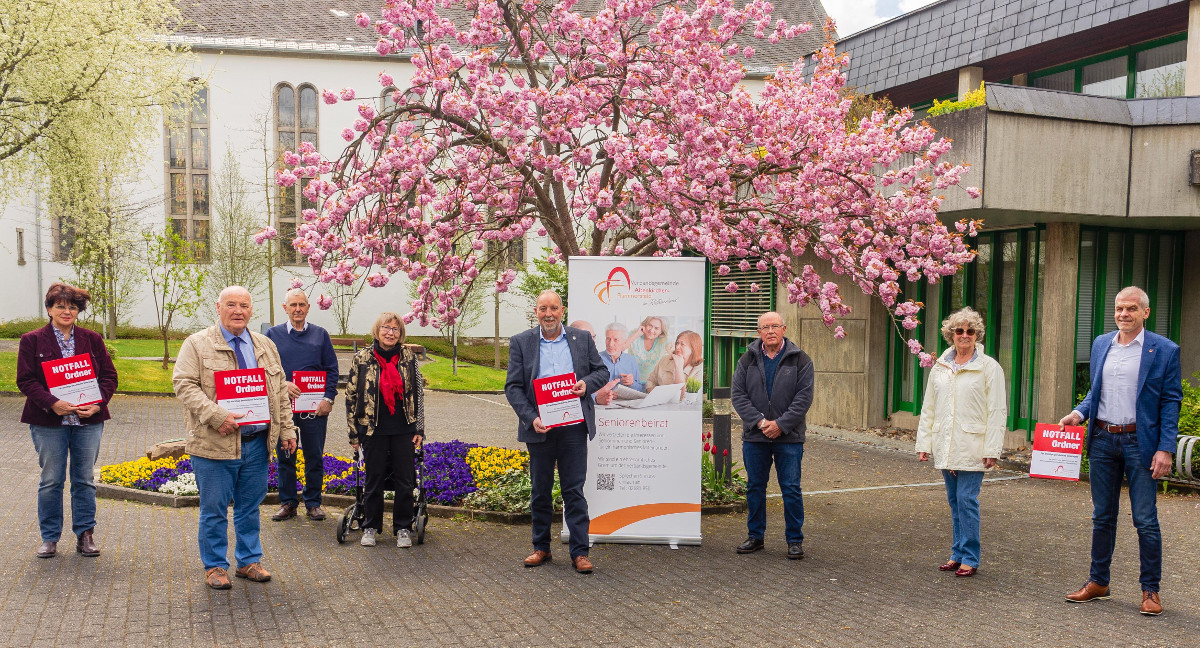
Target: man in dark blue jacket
[304, 346]
[1132, 411]
[772, 391]
[552, 349]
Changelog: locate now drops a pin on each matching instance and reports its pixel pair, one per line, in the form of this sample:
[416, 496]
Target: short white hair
[294, 292]
[618, 327]
[233, 289]
[1143, 299]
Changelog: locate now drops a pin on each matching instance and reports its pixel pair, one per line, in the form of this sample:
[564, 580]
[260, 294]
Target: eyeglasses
[66, 307]
[390, 329]
[771, 327]
[968, 331]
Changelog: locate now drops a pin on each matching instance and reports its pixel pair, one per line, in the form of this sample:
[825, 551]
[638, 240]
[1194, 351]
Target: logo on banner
[613, 281]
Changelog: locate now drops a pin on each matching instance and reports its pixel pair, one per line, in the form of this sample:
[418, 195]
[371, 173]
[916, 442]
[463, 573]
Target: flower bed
[456, 473]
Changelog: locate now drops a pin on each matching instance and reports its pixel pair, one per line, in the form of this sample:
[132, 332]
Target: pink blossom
[329, 96]
[296, 283]
[285, 178]
[839, 332]
[324, 302]
[362, 20]
[477, 151]
[266, 234]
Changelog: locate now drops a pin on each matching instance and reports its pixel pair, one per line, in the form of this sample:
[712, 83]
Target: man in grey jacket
[772, 391]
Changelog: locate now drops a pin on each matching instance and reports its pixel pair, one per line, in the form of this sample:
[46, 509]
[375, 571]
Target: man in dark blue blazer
[552, 349]
[1132, 411]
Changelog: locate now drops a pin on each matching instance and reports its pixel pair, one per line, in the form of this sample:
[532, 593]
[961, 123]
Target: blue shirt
[554, 356]
[769, 366]
[251, 363]
[624, 364]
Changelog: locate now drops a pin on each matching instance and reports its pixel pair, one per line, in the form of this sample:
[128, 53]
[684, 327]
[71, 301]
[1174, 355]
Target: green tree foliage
[79, 81]
[541, 277]
[176, 280]
[235, 260]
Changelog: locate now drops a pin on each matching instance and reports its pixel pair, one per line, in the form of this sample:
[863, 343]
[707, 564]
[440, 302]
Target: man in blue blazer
[1132, 410]
[552, 349]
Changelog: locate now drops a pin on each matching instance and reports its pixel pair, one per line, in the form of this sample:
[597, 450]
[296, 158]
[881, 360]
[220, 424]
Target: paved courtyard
[869, 577]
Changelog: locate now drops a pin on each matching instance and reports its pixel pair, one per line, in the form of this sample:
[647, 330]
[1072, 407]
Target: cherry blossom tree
[626, 129]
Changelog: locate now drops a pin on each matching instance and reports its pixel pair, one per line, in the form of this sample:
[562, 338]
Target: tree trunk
[166, 348]
[496, 338]
[454, 351]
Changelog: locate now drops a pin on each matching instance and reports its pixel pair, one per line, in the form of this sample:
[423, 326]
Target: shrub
[970, 100]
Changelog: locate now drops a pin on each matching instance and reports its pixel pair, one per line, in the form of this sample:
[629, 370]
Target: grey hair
[1143, 299]
[965, 315]
[618, 327]
[294, 292]
[231, 289]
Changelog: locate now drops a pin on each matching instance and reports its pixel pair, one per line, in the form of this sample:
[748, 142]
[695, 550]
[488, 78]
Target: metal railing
[1184, 451]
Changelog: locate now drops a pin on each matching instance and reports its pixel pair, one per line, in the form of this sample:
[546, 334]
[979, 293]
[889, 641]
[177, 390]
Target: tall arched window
[187, 144]
[295, 122]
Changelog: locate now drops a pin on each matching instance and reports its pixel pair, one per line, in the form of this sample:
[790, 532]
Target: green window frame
[1003, 284]
[1129, 53]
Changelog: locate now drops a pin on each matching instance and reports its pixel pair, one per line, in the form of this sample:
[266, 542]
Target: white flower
[185, 484]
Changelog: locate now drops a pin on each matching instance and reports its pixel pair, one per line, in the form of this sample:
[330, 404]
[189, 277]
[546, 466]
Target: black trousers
[567, 447]
[389, 456]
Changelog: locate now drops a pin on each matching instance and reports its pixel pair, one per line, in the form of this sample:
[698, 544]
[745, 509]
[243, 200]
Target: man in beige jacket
[228, 459]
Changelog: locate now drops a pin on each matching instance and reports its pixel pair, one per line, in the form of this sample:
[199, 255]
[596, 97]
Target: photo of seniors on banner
[647, 319]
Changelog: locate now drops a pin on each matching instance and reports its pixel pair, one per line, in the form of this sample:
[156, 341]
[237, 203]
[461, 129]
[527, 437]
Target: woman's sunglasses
[960, 331]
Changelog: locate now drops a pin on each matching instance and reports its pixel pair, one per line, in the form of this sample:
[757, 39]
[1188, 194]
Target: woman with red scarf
[385, 409]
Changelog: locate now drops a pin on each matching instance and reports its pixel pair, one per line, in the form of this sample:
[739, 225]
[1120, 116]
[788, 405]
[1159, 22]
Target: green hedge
[13, 329]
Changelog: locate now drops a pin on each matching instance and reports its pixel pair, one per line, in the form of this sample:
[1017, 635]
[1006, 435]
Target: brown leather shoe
[47, 550]
[285, 512]
[86, 545]
[1090, 592]
[315, 514]
[1151, 604]
[582, 564]
[254, 572]
[537, 558]
[217, 578]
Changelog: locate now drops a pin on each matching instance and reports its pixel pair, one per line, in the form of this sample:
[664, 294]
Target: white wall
[241, 89]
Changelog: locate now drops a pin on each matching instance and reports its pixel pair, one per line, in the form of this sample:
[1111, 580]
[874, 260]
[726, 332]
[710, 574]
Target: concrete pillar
[1056, 314]
[971, 76]
[1020, 79]
[1192, 75]
[1189, 332]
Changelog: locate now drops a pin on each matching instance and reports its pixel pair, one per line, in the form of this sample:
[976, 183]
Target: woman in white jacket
[962, 425]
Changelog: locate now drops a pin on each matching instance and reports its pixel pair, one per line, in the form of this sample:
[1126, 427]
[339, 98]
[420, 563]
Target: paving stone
[869, 576]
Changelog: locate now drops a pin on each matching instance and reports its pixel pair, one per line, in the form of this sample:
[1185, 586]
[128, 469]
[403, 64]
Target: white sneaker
[403, 539]
[368, 539]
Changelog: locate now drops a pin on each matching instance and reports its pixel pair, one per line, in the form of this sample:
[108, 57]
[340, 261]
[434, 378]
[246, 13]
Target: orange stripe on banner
[621, 518]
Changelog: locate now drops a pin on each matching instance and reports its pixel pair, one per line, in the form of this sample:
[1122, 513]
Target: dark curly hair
[61, 292]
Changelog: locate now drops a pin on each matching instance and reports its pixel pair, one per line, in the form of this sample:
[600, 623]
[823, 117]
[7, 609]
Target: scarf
[391, 383]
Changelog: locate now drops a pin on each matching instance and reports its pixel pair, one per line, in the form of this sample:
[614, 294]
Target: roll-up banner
[647, 318]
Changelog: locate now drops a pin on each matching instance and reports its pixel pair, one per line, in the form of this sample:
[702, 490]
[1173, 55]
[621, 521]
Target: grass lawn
[144, 348]
[469, 378]
[133, 375]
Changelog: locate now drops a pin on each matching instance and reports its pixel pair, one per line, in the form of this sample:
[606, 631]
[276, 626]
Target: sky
[856, 15]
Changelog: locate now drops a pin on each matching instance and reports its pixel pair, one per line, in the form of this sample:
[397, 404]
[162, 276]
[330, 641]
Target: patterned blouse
[66, 344]
[648, 359]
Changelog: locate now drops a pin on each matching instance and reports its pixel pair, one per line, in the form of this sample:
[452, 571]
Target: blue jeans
[312, 440]
[787, 456]
[962, 491]
[80, 444]
[567, 447]
[243, 482]
[1110, 456]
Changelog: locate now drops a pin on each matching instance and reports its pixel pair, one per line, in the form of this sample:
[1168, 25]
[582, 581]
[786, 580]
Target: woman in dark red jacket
[63, 431]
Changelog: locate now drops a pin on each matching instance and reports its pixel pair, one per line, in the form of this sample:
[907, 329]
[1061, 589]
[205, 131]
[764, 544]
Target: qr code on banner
[606, 481]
